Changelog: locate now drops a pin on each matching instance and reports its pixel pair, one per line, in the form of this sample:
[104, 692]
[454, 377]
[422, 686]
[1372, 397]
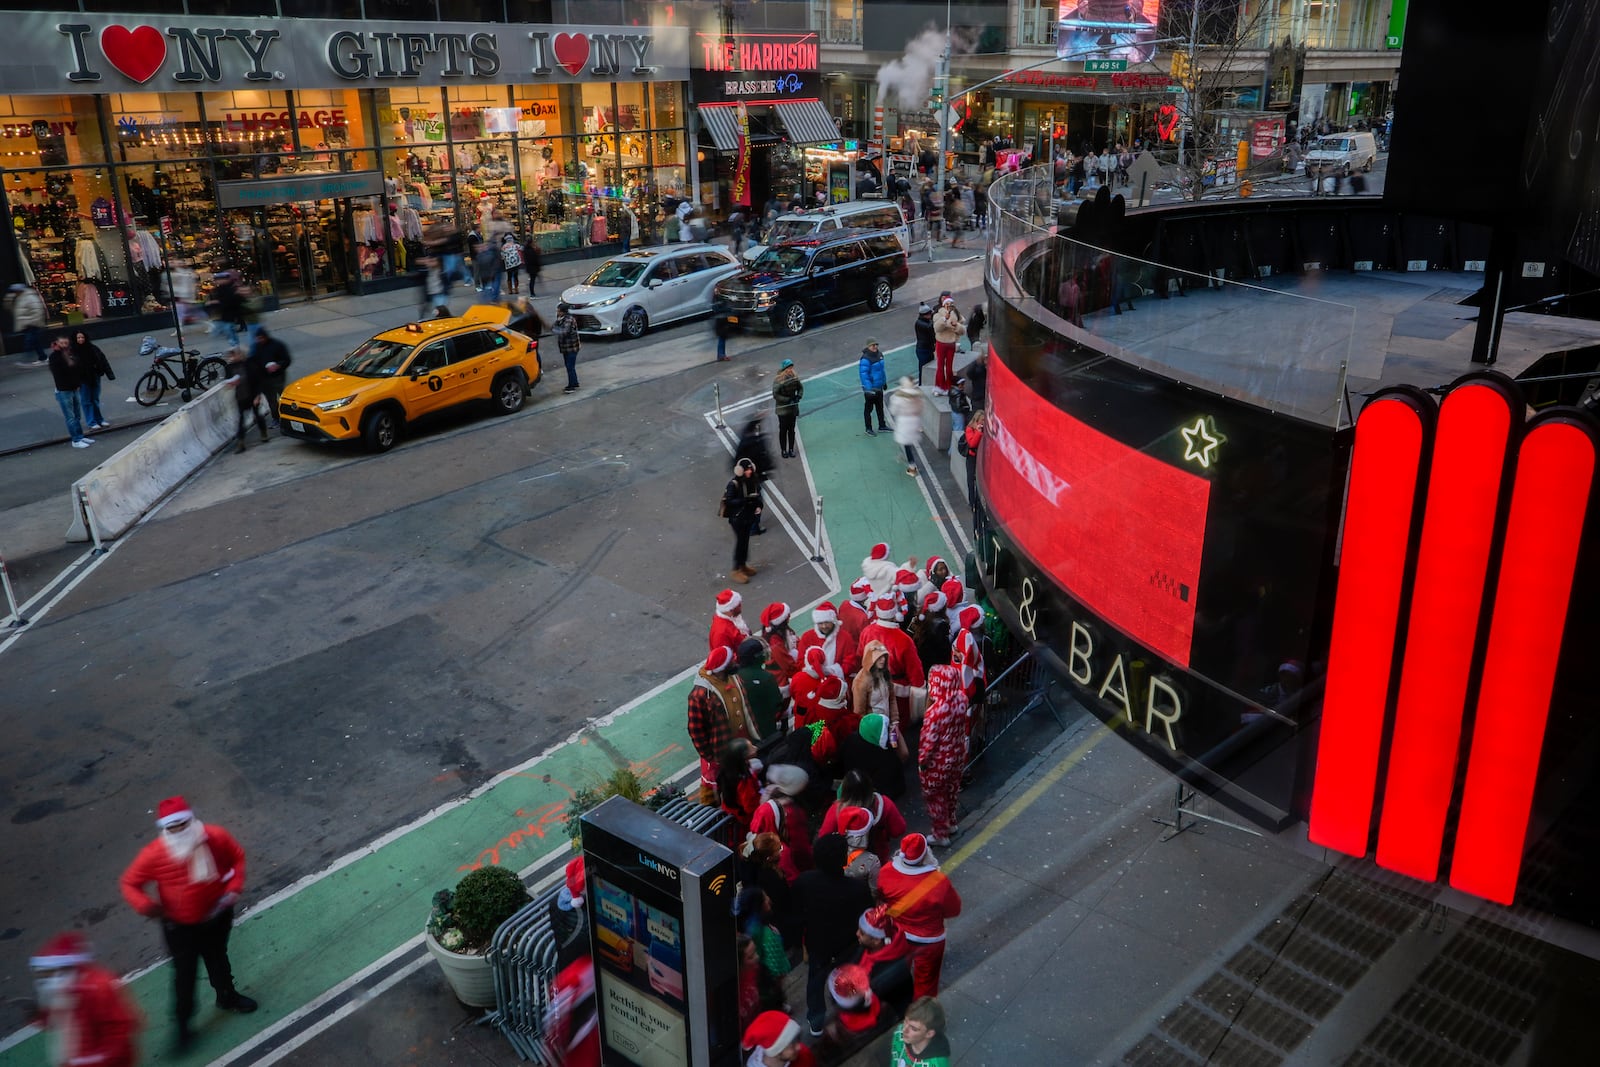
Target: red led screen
[1120, 530]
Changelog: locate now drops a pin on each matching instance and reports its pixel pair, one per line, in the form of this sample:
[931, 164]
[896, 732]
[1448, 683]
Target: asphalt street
[318, 646]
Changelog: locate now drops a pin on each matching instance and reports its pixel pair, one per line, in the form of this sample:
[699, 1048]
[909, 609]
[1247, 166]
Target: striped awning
[808, 122]
[722, 122]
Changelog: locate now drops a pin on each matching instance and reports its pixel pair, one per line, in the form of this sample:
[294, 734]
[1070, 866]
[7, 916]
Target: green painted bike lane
[302, 943]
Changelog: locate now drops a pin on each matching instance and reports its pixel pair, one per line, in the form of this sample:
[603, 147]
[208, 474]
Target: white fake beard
[55, 992]
[180, 845]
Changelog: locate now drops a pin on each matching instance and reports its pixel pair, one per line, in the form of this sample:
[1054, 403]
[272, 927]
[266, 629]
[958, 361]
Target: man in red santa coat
[728, 628]
[88, 1019]
[921, 899]
[774, 1040]
[198, 874]
[828, 634]
[853, 618]
[782, 645]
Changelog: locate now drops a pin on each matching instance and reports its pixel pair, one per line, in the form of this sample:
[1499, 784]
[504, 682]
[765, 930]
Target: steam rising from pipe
[910, 78]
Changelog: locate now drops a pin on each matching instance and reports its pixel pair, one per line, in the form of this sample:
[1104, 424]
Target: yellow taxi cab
[412, 371]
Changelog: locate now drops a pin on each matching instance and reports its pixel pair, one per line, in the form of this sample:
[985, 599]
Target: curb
[12, 450]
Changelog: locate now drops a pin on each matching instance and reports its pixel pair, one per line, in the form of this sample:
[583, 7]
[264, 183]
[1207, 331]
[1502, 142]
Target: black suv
[795, 280]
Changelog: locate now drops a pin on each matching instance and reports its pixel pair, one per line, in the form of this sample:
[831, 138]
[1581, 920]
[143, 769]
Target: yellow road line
[1033, 793]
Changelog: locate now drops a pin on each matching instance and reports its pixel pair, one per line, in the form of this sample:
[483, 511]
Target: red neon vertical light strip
[1555, 472]
[1458, 528]
[1366, 615]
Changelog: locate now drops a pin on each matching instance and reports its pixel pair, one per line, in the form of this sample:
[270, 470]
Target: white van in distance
[1359, 150]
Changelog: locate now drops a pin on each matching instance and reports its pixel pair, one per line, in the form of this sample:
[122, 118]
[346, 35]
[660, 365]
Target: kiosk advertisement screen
[640, 972]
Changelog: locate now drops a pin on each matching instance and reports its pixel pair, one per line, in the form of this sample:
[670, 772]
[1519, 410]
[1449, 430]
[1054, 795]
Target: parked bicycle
[175, 368]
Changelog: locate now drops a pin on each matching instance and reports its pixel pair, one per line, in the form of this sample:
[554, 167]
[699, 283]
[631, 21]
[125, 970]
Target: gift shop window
[415, 160]
[547, 162]
[484, 124]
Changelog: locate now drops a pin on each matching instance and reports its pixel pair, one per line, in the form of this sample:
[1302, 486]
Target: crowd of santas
[817, 729]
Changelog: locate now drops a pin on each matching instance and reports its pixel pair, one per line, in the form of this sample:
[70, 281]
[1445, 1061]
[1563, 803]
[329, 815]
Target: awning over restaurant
[808, 122]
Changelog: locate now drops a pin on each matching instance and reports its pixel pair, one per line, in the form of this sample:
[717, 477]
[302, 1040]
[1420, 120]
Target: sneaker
[237, 1002]
[911, 471]
[82, 442]
[939, 842]
[570, 389]
[871, 432]
[87, 440]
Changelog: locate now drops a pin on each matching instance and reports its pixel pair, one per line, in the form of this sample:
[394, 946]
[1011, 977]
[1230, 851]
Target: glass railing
[1229, 330]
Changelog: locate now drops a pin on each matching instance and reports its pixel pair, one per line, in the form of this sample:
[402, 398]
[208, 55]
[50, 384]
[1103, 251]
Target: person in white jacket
[905, 406]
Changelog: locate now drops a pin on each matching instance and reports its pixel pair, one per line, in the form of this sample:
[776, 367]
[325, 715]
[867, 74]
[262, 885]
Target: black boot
[239, 447]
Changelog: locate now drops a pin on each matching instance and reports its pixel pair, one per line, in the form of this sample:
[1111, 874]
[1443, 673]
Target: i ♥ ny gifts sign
[53, 52]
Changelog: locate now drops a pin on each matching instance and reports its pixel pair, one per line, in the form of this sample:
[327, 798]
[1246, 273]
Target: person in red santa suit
[906, 585]
[803, 686]
[728, 627]
[774, 1040]
[955, 598]
[967, 648]
[828, 634]
[921, 899]
[905, 666]
[833, 704]
[781, 813]
[88, 1018]
[935, 573]
[572, 1021]
[879, 570]
[853, 618]
[198, 874]
[782, 645]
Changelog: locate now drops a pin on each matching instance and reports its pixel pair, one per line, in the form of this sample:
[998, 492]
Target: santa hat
[70, 949]
[728, 602]
[772, 1032]
[788, 779]
[855, 821]
[875, 729]
[774, 615]
[970, 616]
[877, 922]
[720, 660]
[879, 551]
[884, 607]
[830, 694]
[914, 856]
[575, 882]
[927, 568]
[954, 592]
[816, 661]
[907, 581]
[171, 811]
[824, 612]
[860, 589]
[852, 991]
[933, 602]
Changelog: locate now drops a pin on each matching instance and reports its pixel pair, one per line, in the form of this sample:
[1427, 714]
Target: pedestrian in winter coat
[787, 389]
[566, 915]
[780, 812]
[766, 705]
[68, 381]
[874, 382]
[272, 360]
[856, 790]
[741, 505]
[925, 338]
[922, 900]
[872, 751]
[198, 874]
[723, 326]
[829, 904]
[975, 324]
[948, 326]
[532, 262]
[906, 407]
[752, 445]
[971, 441]
[247, 383]
[566, 331]
[28, 314]
[92, 366]
[82, 1006]
[511, 256]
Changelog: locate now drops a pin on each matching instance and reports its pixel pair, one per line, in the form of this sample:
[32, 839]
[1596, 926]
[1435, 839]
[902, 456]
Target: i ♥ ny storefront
[312, 155]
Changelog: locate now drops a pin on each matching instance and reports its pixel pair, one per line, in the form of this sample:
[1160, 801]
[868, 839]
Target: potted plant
[462, 924]
[622, 783]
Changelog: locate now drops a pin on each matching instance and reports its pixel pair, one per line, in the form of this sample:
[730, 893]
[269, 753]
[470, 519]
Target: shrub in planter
[622, 783]
[466, 919]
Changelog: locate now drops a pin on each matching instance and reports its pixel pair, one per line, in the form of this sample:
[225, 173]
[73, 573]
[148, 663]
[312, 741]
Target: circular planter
[470, 976]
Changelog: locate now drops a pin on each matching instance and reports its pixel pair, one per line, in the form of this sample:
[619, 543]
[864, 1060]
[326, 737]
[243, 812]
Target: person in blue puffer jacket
[874, 380]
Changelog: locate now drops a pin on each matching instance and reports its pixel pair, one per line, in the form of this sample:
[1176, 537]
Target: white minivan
[856, 214]
[1359, 150]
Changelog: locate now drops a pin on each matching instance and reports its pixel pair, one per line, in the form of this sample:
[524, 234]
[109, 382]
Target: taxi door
[423, 389]
[475, 358]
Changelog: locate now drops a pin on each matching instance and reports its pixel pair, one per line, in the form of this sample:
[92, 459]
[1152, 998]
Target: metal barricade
[1019, 687]
[523, 950]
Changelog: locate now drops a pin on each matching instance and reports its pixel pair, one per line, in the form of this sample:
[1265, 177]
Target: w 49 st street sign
[1105, 66]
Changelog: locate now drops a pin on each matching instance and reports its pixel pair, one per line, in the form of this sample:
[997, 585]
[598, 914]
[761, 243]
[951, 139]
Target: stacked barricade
[523, 950]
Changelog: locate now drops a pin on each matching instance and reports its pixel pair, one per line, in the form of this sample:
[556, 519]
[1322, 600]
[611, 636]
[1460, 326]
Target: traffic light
[1180, 66]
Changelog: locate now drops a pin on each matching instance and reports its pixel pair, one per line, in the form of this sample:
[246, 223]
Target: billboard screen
[1111, 29]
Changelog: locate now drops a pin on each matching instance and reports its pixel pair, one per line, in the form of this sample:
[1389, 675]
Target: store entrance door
[296, 251]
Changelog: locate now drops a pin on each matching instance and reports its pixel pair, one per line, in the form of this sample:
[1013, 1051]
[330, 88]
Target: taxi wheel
[634, 324]
[509, 393]
[381, 431]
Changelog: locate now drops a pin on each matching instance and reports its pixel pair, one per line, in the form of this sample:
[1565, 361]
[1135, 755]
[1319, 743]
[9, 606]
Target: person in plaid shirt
[716, 715]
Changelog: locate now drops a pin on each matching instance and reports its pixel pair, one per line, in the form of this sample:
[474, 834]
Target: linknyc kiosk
[660, 908]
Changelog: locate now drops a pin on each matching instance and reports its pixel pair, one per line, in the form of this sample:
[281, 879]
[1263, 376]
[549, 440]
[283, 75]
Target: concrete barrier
[936, 417]
[119, 491]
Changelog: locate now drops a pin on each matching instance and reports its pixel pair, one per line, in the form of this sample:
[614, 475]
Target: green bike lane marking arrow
[303, 941]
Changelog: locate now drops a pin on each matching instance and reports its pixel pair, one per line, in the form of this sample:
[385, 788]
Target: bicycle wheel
[211, 370]
[150, 388]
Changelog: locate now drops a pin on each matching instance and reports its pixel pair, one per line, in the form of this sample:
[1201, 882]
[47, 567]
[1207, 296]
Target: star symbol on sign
[1200, 442]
